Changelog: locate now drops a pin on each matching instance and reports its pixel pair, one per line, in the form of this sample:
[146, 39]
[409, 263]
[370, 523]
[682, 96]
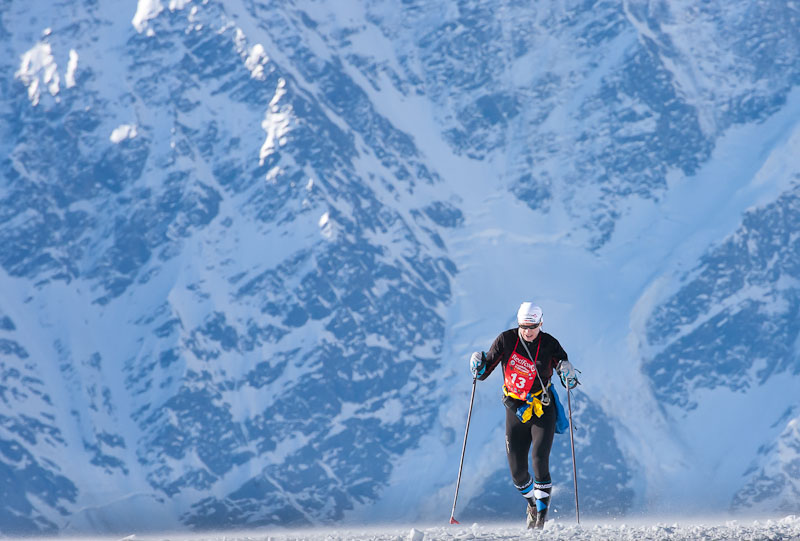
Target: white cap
[529, 314]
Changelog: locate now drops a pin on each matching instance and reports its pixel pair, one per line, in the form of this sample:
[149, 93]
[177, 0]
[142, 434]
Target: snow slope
[780, 529]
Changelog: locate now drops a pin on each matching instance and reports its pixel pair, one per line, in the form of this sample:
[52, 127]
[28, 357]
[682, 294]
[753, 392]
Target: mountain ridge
[251, 245]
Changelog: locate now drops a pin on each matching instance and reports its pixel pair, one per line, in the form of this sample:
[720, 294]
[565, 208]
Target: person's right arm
[483, 364]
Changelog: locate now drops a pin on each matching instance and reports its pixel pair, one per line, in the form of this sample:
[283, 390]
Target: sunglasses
[528, 327]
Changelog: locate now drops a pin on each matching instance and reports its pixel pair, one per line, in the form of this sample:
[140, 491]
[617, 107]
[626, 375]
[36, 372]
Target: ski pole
[574, 469]
[463, 449]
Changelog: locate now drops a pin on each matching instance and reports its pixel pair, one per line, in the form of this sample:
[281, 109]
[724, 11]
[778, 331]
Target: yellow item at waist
[534, 405]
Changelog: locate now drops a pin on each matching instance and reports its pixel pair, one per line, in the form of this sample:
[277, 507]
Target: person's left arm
[564, 368]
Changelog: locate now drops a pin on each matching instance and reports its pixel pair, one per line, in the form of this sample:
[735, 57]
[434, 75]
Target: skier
[528, 356]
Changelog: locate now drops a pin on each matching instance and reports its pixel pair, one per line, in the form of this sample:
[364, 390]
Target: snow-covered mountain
[249, 245]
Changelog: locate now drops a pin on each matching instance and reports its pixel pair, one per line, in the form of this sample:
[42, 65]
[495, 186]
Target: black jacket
[550, 353]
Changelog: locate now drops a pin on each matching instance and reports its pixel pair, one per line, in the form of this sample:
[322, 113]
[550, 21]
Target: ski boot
[535, 519]
[541, 516]
[530, 517]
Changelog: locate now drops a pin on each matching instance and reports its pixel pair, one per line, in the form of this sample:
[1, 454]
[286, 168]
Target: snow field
[711, 529]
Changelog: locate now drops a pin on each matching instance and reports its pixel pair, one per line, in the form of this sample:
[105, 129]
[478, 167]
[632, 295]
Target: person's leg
[542, 430]
[518, 443]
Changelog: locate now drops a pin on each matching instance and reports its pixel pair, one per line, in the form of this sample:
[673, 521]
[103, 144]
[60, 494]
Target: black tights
[538, 432]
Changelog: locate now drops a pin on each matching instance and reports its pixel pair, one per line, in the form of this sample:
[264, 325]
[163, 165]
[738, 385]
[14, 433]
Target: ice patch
[255, 62]
[38, 67]
[146, 10]
[276, 123]
[122, 132]
[72, 65]
[325, 225]
[150, 9]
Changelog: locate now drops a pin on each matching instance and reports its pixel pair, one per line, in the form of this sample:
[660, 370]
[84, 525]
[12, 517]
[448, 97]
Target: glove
[477, 364]
[568, 374]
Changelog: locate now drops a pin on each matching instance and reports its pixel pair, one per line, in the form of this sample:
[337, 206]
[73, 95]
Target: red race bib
[520, 375]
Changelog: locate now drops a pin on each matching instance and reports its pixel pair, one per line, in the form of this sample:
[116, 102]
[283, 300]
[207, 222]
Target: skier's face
[529, 332]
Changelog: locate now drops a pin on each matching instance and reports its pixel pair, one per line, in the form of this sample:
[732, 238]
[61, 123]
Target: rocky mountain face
[227, 265]
[733, 324]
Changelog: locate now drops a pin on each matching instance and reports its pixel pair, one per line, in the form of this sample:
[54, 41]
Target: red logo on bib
[520, 375]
